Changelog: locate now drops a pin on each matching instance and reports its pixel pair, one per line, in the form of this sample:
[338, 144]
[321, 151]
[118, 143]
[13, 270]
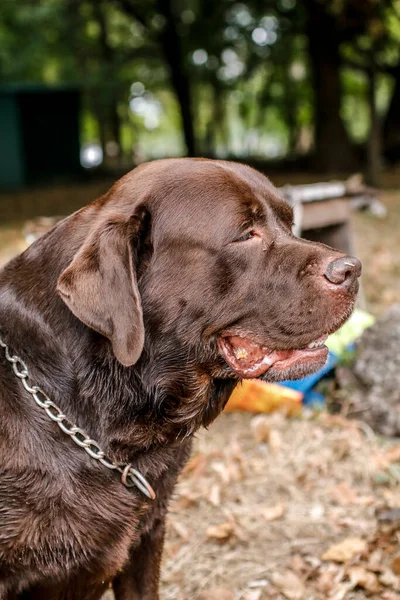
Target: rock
[376, 398]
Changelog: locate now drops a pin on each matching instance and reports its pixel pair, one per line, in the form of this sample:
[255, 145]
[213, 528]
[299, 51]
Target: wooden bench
[323, 212]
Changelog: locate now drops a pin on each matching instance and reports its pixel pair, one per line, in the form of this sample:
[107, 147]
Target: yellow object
[256, 396]
[350, 331]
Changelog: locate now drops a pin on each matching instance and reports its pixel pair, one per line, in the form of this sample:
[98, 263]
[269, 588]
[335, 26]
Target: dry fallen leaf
[261, 428]
[345, 550]
[180, 529]
[389, 579]
[345, 495]
[258, 583]
[393, 454]
[252, 595]
[185, 500]
[216, 594]
[289, 584]
[300, 566]
[395, 565]
[196, 466]
[274, 512]
[221, 532]
[375, 560]
[275, 441]
[222, 469]
[236, 469]
[214, 497]
[326, 581]
[340, 592]
[359, 576]
[391, 497]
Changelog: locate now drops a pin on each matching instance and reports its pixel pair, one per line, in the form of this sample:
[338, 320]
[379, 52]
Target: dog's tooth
[316, 344]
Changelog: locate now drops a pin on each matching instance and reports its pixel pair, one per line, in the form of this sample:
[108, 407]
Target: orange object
[256, 396]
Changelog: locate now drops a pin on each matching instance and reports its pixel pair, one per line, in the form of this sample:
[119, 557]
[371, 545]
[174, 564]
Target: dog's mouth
[248, 359]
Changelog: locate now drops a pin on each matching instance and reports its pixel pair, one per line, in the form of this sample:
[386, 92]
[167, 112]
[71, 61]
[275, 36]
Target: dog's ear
[100, 286]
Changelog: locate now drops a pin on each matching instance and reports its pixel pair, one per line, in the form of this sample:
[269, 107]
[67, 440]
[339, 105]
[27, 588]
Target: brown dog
[137, 316]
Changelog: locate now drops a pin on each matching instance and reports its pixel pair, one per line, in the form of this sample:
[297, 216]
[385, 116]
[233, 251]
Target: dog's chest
[88, 521]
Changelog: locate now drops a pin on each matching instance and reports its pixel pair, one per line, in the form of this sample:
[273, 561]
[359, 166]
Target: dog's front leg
[140, 578]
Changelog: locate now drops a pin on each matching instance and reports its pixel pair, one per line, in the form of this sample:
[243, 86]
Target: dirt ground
[378, 247]
[297, 509]
[264, 503]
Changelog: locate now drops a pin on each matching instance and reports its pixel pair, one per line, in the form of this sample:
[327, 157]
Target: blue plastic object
[314, 399]
[340, 342]
[306, 384]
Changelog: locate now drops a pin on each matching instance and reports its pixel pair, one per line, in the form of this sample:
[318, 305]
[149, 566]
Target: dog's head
[195, 261]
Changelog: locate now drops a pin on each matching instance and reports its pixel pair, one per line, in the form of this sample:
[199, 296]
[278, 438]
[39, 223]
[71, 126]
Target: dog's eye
[246, 236]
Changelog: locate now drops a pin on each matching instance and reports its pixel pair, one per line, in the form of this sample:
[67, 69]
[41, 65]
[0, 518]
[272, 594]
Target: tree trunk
[111, 92]
[391, 126]
[333, 149]
[115, 125]
[290, 111]
[209, 141]
[172, 47]
[98, 111]
[374, 138]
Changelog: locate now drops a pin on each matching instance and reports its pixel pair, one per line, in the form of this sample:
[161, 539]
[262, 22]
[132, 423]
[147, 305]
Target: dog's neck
[142, 411]
[127, 410]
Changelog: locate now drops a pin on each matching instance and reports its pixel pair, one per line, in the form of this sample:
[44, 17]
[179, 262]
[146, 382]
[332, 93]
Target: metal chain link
[129, 475]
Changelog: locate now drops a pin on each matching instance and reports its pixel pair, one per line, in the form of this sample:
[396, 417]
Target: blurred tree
[266, 77]
[334, 150]
[391, 126]
[375, 49]
[329, 26]
[389, 59]
[103, 44]
[160, 20]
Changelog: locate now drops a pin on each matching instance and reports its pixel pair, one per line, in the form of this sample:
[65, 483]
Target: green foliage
[246, 65]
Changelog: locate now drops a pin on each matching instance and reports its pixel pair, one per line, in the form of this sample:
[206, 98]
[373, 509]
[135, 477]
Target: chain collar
[129, 475]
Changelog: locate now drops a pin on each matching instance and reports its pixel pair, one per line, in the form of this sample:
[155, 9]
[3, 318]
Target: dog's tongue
[247, 358]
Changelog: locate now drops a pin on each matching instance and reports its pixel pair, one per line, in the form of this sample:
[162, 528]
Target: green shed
[39, 133]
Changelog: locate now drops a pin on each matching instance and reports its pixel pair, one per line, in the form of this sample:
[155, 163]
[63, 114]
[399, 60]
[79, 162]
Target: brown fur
[116, 312]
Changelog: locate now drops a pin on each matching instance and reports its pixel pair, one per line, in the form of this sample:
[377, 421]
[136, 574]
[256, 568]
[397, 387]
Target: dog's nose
[343, 271]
